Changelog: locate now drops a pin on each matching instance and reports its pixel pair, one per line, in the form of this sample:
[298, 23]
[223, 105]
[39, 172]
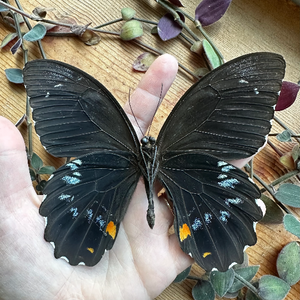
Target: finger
[153, 86]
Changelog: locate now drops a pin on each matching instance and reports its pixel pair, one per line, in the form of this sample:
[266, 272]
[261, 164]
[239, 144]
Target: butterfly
[224, 116]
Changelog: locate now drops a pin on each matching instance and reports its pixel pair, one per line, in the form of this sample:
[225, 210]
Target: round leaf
[289, 194]
[222, 281]
[288, 94]
[272, 288]
[8, 39]
[36, 33]
[14, 75]
[36, 162]
[210, 11]
[274, 215]
[183, 275]
[203, 290]
[247, 273]
[284, 136]
[46, 170]
[288, 263]
[292, 225]
[168, 28]
[144, 61]
[127, 13]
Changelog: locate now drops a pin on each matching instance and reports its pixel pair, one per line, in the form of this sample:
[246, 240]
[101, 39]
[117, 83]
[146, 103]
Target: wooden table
[248, 26]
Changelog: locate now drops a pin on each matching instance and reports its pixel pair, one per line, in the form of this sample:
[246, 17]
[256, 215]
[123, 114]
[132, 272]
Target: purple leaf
[168, 28]
[16, 46]
[288, 94]
[177, 3]
[143, 62]
[210, 11]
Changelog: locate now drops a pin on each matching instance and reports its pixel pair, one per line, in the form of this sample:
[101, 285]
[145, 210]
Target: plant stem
[200, 28]
[30, 27]
[274, 147]
[109, 23]
[252, 288]
[285, 127]
[177, 19]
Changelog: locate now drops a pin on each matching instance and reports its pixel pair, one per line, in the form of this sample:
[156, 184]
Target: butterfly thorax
[149, 168]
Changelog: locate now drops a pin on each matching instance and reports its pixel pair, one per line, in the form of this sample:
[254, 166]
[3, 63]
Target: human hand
[142, 262]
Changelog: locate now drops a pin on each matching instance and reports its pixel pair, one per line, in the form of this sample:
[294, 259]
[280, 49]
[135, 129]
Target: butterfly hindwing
[214, 206]
[227, 113]
[74, 113]
[86, 200]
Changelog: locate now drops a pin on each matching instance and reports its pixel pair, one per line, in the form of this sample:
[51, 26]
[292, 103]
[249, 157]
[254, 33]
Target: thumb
[14, 176]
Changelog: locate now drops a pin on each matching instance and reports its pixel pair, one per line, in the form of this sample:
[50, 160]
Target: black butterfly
[225, 115]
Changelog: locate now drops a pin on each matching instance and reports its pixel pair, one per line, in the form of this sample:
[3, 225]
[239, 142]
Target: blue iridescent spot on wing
[227, 168]
[228, 183]
[207, 218]
[74, 211]
[197, 224]
[235, 201]
[70, 180]
[224, 216]
[100, 222]
[72, 166]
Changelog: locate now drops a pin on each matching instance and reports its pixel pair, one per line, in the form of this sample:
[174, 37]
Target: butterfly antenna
[133, 114]
[157, 106]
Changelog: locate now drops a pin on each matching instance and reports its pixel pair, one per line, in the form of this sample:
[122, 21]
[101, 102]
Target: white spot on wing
[58, 85]
[222, 163]
[64, 258]
[243, 81]
[77, 161]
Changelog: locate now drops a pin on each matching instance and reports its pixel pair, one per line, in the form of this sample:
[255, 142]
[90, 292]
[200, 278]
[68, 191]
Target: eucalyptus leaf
[36, 162]
[32, 174]
[3, 8]
[16, 46]
[289, 194]
[36, 33]
[284, 136]
[222, 281]
[183, 275]
[274, 215]
[247, 273]
[292, 225]
[46, 170]
[288, 263]
[272, 288]
[14, 75]
[203, 290]
[212, 57]
[8, 38]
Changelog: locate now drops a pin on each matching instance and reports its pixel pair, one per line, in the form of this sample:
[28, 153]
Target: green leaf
[8, 39]
[212, 57]
[32, 174]
[222, 281]
[127, 13]
[288, 263]
[251, 296]
[131, 30]
[3, 8]
[247, 273]
[14, 75]
[292, 225]
[41, 186]
[36, 33]
[203, 290]
[183, 275]
[272, 288]
[46, 170]
[274, 215]
[289, 194]
[284, 136]
[36, 162]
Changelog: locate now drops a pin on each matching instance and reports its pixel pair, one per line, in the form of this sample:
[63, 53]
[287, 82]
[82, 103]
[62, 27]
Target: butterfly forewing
[85, 202]
[228, 112]
[75, 114]
[214, 205]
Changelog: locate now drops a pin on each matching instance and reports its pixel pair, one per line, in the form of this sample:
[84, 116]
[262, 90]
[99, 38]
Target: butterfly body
[224, 116]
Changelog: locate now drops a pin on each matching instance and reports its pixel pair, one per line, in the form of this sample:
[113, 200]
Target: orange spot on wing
[206, 254]
[111, 229]
[91, 250]
[184, 232]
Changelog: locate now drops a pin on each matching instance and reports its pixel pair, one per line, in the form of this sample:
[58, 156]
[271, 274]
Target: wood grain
[248, 26]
